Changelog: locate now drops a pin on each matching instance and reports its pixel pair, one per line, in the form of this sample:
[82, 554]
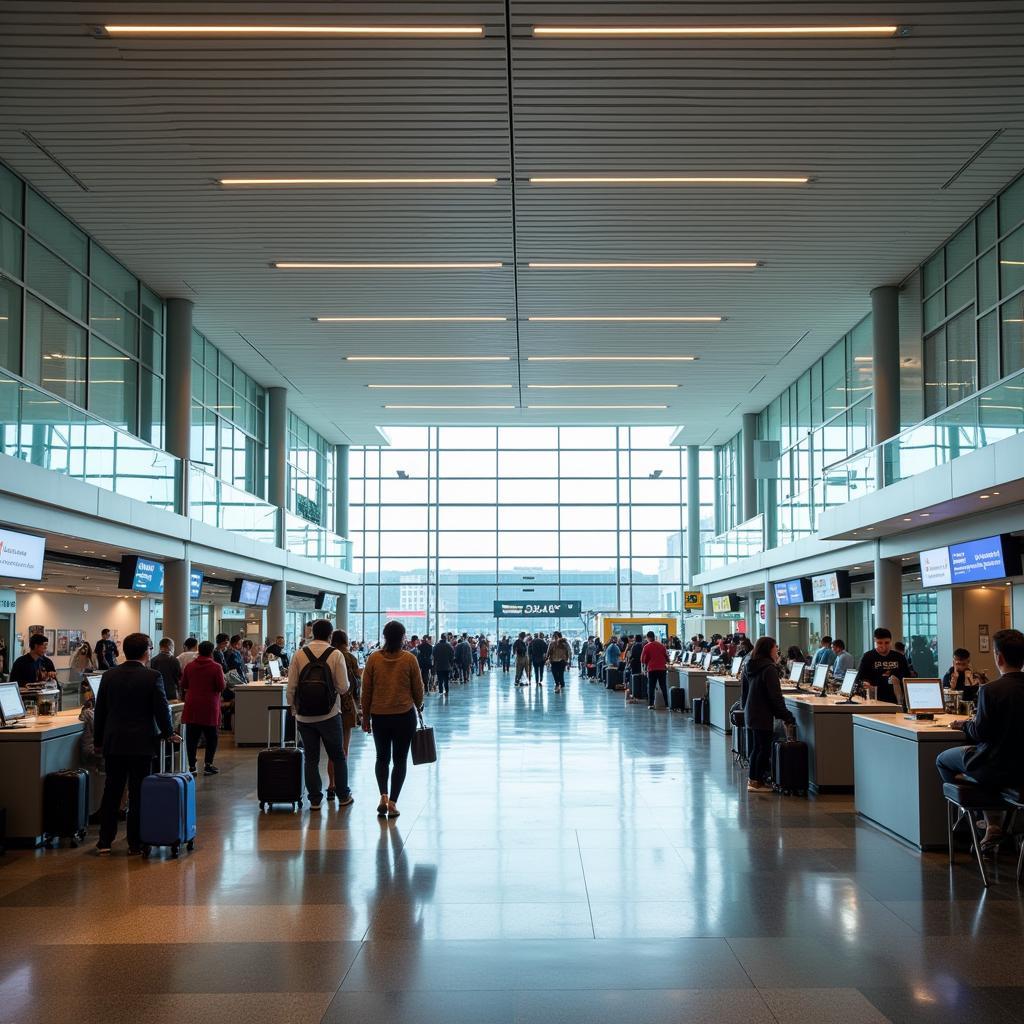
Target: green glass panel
[1011, 206]
[960, 291]
[57, 231]
[935, 373]
[961, 357]
[960, 250]
[151, 347]
[934, 273]
[10, 325]
[56, 280]
[151, 306]
[197, 347]
[1012, 316]
[1011, 263]
[54, 352]
[105, 271]
[934, 310]
[988, 280]
[11, 191]
[987, 231]
[113, 321]
[988, 349]
[151, 407]
[197, 382]
[11, 237]
[113, 385]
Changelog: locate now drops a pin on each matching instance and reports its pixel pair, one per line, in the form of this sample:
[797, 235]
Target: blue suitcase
[167, 815]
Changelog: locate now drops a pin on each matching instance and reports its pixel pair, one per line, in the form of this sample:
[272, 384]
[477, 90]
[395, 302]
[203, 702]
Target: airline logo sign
[21, 555]
[693, 600]
[525, 609]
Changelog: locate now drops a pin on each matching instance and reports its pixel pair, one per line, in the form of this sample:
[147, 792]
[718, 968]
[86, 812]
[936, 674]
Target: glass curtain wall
[309, 456]
[727, 475]
[448, 520]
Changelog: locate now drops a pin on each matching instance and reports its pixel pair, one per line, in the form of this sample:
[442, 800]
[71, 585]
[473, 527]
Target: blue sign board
[977, 560]
[149, 576]
[789, 592]
[195, 583]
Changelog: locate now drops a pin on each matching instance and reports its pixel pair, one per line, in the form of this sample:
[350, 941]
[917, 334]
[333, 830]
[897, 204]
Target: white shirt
[335, 662]
[186, 656]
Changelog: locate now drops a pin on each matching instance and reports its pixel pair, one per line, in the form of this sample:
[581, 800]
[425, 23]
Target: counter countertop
[60, 724]
[911, 729]
[833, 705]
[277, 684]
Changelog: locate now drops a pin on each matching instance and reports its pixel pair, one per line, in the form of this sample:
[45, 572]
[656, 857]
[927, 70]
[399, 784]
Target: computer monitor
[274, 667]
[796, 672]
[924, 696]
[737, 664]
[12, 707]
[708, 658]
[94, 683]
[820, 677]
[849, 683]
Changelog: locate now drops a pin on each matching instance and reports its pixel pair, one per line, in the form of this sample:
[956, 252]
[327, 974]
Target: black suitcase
[66, 806]
[638, 686]
[677, 698]
[3, 829]
[613, 679]
[278, 771]
[700, 711]
[789, 767]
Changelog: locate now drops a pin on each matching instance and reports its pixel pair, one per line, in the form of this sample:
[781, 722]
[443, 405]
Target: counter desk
[825, 724]
[897, 786]
[723, 692]
[692, 679]
[252, 716]
[28, 755]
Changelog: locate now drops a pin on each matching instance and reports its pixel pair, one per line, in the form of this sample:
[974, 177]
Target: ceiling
[148, 126]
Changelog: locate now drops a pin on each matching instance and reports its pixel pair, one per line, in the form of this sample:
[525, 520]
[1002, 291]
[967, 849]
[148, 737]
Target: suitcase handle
[164, 744]
[271, 708]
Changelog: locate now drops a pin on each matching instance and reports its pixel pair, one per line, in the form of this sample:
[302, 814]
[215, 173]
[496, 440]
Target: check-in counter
[693, 680]
[723, 692]
[897, 786]
[28, 755]
[252, 716]
[825, 724]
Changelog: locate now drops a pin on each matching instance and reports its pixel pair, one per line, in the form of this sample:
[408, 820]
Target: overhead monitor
[972, 561]
[21, 555]
[924, 696]
[737, 664]
[263, 594]
[831, 586]
[935, 570]
[820, 680]
[796, 671]
[195, 584]
[790, 592]
[725, 603]
[326, 602]
[143, 575]
[250, 592]
[11, 705]
[849, 684]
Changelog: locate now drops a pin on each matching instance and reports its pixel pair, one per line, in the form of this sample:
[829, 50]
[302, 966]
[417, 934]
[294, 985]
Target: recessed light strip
[605, 387]
[575, 407]
[388, 266]
[676, 31]
[357, 182]
[612, 359]
[647, 265]
[293, 30]
[410, 319]
[439, 387]
[427, 359]
[627, 319]
[449, 406]
[668, 179]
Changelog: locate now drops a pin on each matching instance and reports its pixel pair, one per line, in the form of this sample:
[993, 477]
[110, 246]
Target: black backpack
[315, 692]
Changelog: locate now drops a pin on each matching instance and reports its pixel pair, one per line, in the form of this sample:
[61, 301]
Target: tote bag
[424, 750]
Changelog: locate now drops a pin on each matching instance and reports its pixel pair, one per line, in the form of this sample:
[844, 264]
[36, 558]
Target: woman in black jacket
[762, 704]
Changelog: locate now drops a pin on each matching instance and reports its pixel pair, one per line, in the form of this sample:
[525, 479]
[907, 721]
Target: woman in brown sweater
[392, 692]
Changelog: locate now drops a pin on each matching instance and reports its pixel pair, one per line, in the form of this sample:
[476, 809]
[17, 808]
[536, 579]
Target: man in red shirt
[654, 657]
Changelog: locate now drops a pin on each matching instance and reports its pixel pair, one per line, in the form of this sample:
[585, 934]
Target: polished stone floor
[570, 859]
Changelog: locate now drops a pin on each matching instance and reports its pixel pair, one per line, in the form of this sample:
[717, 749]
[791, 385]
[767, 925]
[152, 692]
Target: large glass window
[308, 458]
[55, 355]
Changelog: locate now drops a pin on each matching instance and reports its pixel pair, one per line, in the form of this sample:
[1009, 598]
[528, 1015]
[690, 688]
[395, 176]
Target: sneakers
[347, 801]
[210, 770]
[757, 787]
[103, 851]
[332, 793]
[315, 806]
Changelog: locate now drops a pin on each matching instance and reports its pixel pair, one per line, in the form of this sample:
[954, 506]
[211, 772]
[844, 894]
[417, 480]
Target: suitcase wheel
[263, 806]
[174, 851]
[146, 851]
[191, 845]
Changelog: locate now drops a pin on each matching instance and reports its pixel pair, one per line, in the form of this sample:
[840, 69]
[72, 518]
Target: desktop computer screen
[11, 705]
[274, 667]
[796, 671]
[820, 677]
[849, 683]
[737, 664]
[924, 696]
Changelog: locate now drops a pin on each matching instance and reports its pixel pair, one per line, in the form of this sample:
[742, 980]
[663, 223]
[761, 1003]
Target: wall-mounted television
[21, 555]
[725, 603]
[790, 592]
[142, 575]
[971, 561]
[250, 592]
[831, 586]
[195, 584]
[326, 602]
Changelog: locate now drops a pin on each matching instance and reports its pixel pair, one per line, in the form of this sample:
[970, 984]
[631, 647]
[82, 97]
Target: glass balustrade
[741, 541]
[312, 541]
[219, 504]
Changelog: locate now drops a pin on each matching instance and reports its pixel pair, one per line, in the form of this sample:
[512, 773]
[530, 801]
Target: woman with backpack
[392, 697]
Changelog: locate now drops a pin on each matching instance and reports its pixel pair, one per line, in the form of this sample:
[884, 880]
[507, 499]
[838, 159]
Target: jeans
[760, 753]
[333, 736]
[392, 736]
[505, 661]
[655, 679]
[121, 769]
[538, 671]
[192, 734]
[950, 763]
[444, 676]
[521, 666]
[558, 672]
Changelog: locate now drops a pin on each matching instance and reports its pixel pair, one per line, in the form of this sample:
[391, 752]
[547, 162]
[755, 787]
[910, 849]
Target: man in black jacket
[169, 668]
[538, 652]
[996, 732]
[879, 665]
[132, 715]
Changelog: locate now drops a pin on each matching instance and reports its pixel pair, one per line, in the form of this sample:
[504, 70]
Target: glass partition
[305, 538]
[741, 541]
[217, 503]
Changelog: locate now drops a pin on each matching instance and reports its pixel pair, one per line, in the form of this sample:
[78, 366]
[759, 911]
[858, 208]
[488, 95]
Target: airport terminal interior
[510, 511]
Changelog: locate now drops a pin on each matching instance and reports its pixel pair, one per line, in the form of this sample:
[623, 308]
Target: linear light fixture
[645, 265]
[439, 387]
[597, 407]
[589, 387]
[612, 359]
[1012, 263]
[668, 179]
[362, 182]
[449, 406]
[627, 319]
[427, 359]
[389, 266]
[410, 319]
[293, 30]
[704, 31]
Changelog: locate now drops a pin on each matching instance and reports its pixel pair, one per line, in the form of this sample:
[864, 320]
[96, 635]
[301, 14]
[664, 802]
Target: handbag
[424, 750]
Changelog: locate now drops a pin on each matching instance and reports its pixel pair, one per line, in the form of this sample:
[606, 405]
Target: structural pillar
[888, 594]
[885, 366]
[276, 608]
[771, 610]
[176, 600]
[342, 613]
[178, 392]
[692, 511]
[748, 502]
[341, 490]
[277, 447]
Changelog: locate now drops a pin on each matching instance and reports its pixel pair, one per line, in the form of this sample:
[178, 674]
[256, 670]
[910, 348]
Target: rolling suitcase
[638, 686]
[278, 771]
[740, 735]
[65, 806]
[789, 767]
[167, 810]
[700, 711]
[613, 678]
[677, 698]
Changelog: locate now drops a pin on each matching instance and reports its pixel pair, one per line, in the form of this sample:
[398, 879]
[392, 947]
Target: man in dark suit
[996, 731]
[132, 715]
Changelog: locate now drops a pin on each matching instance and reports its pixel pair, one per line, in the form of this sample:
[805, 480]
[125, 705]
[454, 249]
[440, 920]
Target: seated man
[961, 677]
[996, 758]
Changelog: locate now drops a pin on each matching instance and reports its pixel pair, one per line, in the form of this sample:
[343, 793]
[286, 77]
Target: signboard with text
[527, 609]
[21, 555]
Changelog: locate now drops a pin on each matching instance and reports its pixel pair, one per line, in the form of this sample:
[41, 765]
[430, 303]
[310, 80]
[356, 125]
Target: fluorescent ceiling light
[587, 387]
[360, 181]
[668, 179]
[628, 319]
[449, 406]
[410, 319]
[714, 30]
[1012, 263]
[439, 387]
[597, 407]
[427, 359]
[388, 266]
[647, 265]
[612, 359]
[293, 30]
